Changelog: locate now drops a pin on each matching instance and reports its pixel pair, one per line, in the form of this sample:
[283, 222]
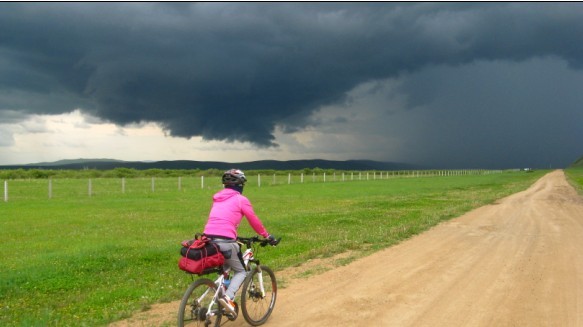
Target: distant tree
[121, 173]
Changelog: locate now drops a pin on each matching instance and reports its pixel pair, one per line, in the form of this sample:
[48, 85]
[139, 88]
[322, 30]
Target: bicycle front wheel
[257, 302]
[197, 307]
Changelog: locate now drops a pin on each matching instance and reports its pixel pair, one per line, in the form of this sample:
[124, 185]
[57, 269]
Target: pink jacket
[228, 209]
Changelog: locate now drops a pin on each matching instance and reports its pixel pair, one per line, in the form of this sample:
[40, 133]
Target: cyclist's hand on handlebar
[272, 240]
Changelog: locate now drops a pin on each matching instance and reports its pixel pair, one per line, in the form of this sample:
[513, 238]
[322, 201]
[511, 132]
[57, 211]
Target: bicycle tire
[257, 308]
[193, 313]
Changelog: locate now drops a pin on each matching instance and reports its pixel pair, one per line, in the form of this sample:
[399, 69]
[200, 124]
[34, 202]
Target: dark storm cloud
[496, 114]
[234, 71]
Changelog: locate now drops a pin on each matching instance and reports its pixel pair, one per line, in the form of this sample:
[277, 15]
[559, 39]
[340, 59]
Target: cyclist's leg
[235, 262]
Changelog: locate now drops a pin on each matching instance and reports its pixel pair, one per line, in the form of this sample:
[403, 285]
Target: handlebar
[248, 241]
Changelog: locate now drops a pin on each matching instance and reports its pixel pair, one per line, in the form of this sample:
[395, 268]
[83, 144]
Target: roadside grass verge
[86, 261]
[575, 177]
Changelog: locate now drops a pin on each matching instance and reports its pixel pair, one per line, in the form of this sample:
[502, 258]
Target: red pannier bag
[200, 256]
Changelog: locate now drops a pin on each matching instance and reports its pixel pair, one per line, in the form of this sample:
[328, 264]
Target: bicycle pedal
[231, 316]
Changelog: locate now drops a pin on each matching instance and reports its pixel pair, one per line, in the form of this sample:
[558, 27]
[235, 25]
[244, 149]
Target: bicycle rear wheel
[255, 305]
[195, 305]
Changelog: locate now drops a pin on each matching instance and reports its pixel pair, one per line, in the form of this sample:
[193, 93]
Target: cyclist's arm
[252, 218]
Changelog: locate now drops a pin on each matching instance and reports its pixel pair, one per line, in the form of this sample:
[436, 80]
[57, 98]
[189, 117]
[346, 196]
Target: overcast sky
[442, 85]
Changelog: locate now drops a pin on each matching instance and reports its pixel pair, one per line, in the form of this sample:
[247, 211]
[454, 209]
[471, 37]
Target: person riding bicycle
[229, 207]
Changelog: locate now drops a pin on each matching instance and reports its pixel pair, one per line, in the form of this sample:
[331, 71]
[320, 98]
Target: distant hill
[106, 164]
[71, 162]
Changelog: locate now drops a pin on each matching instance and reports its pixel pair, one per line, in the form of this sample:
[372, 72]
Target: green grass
[575, 177]
[89, 260]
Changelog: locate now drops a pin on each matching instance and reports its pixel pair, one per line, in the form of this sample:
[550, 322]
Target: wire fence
[23, 189]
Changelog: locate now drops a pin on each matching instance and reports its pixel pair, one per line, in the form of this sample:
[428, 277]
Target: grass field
[575, 177]
[80, 260]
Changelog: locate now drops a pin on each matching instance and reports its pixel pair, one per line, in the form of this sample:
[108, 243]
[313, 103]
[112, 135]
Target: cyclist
[229, 207]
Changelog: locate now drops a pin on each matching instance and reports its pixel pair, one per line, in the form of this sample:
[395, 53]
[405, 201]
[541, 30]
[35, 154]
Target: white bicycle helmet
[234, 177]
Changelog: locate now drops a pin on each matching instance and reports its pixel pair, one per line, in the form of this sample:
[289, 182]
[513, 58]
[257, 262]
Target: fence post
[153, 185]
[201, 182]
[289, 178]
[302, 178]
[5, 191]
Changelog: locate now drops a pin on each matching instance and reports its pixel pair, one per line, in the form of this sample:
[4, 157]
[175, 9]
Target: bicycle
[200, 305]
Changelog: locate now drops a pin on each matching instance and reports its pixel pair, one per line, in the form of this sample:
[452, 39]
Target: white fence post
[5, 191]
[201, 182]
[302, 178]
[153, 185]
[289, 178]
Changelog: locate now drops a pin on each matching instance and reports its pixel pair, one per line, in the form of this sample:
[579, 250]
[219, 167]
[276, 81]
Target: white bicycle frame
[247, 256]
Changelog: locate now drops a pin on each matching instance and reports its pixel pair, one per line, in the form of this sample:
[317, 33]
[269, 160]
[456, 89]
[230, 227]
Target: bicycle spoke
[257, 304]
[194, 308]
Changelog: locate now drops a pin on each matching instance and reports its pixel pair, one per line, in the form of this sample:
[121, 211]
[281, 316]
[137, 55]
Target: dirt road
[518, 262]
